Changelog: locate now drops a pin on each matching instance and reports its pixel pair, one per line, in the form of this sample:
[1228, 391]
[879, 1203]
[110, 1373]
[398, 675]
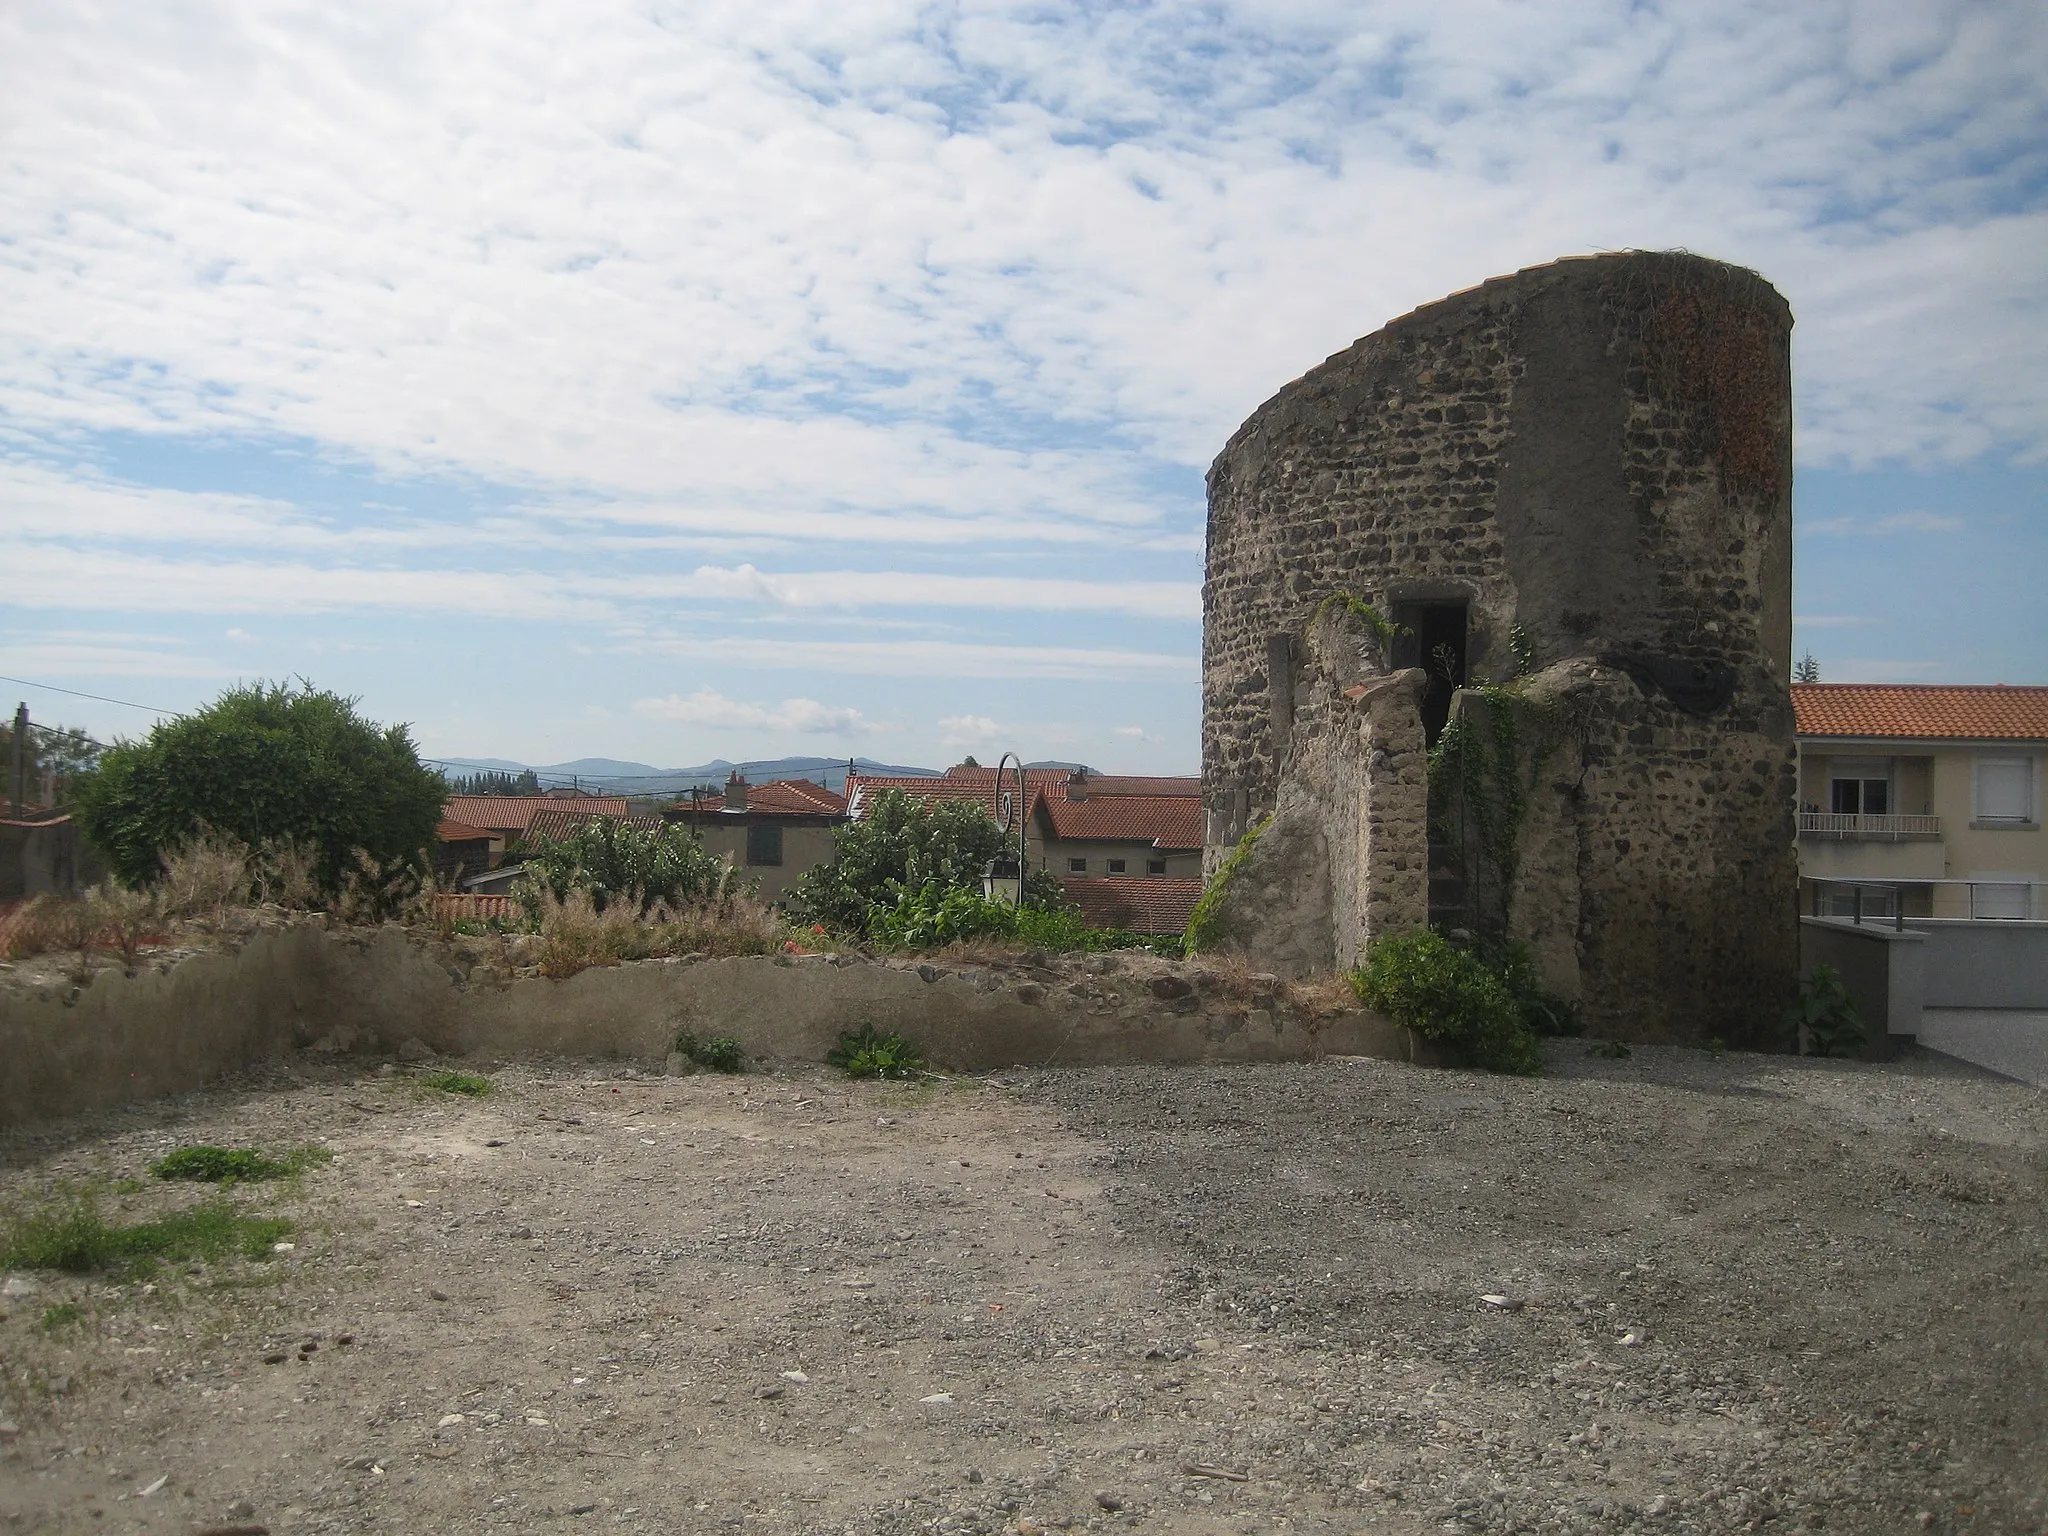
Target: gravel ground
[1677, 1293]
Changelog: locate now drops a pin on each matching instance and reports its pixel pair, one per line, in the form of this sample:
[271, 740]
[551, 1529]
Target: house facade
[1922, 800]
[774, 834]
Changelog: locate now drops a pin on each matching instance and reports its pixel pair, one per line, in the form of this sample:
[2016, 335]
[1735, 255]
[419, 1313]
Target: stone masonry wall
[1598, 451]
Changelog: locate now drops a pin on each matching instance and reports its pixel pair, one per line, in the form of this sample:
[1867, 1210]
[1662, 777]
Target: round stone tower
[1576, 482]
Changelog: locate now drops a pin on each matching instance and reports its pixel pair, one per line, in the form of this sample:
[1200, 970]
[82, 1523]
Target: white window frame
[2029, 814]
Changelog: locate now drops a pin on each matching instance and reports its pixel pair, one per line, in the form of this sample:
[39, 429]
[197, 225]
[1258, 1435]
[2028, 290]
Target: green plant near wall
[1452, 997]
[1825, 1018]
[1205, 922]
[1384, 630]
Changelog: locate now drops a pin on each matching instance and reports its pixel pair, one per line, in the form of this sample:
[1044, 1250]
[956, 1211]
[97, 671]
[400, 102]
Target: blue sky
[668, 382]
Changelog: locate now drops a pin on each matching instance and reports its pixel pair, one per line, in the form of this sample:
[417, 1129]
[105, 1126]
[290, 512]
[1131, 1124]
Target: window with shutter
[2005, 790]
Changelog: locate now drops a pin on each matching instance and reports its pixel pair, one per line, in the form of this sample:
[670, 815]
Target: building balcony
[1829, 826]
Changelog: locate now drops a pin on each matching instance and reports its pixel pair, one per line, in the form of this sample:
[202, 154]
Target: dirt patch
[1729, 1293]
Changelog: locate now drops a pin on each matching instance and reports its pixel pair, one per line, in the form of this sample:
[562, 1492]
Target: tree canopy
[267, 764]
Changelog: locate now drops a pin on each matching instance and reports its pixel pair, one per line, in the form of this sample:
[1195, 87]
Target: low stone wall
[170, 1029]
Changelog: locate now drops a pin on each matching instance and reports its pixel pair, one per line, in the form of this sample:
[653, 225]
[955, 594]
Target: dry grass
[204, 877]
[575, 935]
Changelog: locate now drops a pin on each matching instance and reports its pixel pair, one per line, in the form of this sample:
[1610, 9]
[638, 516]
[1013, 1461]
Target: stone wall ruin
[1550, 515]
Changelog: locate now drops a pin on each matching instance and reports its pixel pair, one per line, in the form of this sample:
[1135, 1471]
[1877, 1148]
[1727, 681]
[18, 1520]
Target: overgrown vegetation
[466, 1083]
[72, 1236]
[65, 1314]
[266, 765]
[865, 1052]
[235, 1165]
[1453, 997]
[1824, 1021]
[1205, 921]
[903, 846]
[714, 1053]
[617, 864]
[576, 935]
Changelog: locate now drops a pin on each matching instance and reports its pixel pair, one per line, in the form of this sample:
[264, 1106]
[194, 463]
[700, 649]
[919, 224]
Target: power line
[98, 698]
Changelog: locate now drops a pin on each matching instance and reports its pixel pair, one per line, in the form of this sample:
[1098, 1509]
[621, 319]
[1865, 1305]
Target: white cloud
[971, 731]
[709, 707]
[1890, 522]
[938, 658]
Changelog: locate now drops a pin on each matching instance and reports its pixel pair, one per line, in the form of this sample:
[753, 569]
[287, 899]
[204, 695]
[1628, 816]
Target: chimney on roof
[1077, 786]
[736, 791]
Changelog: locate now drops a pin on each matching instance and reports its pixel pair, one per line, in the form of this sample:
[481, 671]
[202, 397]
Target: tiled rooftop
[1158, 905]
[1922, 711]
[509, 815]
[1165, 821]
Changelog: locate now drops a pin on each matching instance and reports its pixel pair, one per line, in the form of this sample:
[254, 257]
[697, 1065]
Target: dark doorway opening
[1434, 640]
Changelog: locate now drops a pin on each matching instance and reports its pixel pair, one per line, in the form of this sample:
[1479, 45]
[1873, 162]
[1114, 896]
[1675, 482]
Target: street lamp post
[1003, 880]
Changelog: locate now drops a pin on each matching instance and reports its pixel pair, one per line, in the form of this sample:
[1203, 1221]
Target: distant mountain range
[609, 776]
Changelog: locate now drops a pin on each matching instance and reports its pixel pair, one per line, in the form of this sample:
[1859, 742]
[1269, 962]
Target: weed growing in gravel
[717, 1053]
[234, 1165]
[864, 1052]
[1824, 1021]
[458, 1082]
[74, 1237]
[65, 1314]
[1612, 1050]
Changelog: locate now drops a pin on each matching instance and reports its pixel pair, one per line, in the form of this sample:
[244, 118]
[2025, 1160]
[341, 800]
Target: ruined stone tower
[1557, 508]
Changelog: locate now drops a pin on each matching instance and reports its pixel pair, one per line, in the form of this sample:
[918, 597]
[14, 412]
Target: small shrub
[65, 1314]
[205, 875]
[125, 920]
[864, 1052]
[716, 1053]
[1611, 1050]
[73, 1237]
[1542, 1009]
[1824, 1018]
[929, 915]
[1452, 997]
[234, 1165]
[465, 1083]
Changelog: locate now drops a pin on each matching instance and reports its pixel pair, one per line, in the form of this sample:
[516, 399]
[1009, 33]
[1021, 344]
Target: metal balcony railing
[1870, 829]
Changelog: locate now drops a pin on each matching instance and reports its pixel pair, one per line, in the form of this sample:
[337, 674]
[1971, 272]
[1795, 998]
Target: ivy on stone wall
[1205, 922]
[1384, 630]
[1477, 774]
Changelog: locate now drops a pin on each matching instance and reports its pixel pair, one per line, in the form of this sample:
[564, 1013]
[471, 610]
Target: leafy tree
[491, 782]
[57, 758]
[614, 860]
[903, 845]
[268, 764]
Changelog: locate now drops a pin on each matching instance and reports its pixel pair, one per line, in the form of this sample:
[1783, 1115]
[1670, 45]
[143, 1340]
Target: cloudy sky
[668, 381]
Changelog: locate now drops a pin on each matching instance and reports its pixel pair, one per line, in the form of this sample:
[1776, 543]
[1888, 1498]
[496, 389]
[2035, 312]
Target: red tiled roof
[1921, 711]
[461, 832]
[972, 784]
[1164, 821]
[1099, 784]
[556, 825]
[782, 797]
[510, 815]
[1158, 905]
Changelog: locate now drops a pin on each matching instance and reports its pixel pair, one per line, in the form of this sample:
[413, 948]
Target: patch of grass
[864, 1052]
[458, 1082]
[715, 1053]
[75, 1238]
[235, 1165]
[1612, 1050]
[65, 1314]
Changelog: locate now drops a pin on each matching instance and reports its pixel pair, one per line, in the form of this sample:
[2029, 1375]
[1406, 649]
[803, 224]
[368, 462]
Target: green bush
[929, 915]
[268, 766]
[234, 1165]
[1542, 1009]
[864, 1052]
[1832, 1025]
[615, 862]
[74, 1237]
[1452, 997]
[903, 845]
[716, 1053]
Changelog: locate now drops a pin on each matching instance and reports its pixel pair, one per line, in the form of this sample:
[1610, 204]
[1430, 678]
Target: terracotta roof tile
[461, 832]
[509, 815]
[1158, 905]
[1164, 821]
[557, 825]
[1922, 711]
